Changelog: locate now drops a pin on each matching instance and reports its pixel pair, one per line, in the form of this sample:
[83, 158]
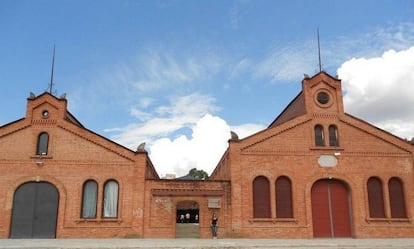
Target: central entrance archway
[187, 220]
[330, 209]
[34, 213]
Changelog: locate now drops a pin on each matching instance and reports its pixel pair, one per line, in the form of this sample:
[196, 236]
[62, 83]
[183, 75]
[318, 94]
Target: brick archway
[331, 215]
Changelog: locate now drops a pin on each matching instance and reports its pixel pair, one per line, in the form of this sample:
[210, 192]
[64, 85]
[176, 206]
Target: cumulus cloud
[163, 120]
[202, 150]
[380, 90]
[246, 130]
[171, 150]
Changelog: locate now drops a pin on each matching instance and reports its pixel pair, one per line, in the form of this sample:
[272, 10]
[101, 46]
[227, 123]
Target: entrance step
[187, 230]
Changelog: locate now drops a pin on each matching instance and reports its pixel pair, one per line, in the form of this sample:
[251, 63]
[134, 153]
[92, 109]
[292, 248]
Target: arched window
[42, 143]
[333, 136]
[284, 208]
[375, 198]
[89, 199]
[319, 139]
[261, 197]
[110, 201]
[397, 202]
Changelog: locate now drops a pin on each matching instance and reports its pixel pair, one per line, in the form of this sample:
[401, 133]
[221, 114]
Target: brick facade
[147, 206]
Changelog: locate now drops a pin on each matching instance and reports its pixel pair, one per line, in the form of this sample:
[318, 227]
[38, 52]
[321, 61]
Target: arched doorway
[331, 215]
[34, 213]
[187, 220]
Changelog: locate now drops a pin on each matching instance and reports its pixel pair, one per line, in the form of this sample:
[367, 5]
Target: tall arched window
[89, 199]
[333, 136]
[319, 138]
[284, 208]
[42, 143]
[261, 197]
[375, 198]
[110, 201]
[397, 201]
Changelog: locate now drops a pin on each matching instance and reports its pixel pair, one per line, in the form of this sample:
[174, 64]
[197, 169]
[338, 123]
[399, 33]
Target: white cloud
[201, 148]
[240, 68]
[381, 90]
[164, 120]
[145, 102]
[158, 69]
[246, 130]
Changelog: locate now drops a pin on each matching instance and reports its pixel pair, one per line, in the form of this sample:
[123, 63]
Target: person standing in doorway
[214, 220]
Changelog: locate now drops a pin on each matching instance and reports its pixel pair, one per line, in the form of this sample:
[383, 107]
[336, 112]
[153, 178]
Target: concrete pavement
[207, 243]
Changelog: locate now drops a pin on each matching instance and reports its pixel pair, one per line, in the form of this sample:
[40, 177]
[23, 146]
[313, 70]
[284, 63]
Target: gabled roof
[294, 109]
[69, 117]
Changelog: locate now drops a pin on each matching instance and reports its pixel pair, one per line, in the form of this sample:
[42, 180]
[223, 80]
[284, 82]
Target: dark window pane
[283, 198]
[261, 198]
[42, 144]
[375, 198]
[323, 98]
[319, 140]
[397, 202]
[333, 136]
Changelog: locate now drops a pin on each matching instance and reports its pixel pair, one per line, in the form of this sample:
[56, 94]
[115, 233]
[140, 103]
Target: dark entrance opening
[187, 220]
[187, 212]
[34, 213]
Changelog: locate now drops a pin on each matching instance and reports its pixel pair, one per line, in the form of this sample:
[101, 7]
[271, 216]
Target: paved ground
[207, 243]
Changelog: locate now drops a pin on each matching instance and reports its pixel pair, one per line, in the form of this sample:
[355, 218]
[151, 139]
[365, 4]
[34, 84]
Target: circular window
[45, 113]
[323, 98]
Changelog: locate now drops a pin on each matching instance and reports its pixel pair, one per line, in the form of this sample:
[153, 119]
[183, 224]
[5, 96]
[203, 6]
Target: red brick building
[316, 171]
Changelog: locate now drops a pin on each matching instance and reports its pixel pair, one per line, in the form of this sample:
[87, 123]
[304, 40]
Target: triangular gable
[288, 136]
[93, 142]
[380, 141]
[296, 136]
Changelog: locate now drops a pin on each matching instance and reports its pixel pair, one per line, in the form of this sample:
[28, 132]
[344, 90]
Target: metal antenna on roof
[319, 53]
[51, 76]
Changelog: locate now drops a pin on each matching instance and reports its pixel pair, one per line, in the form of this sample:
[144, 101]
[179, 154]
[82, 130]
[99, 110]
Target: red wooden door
[330, 209]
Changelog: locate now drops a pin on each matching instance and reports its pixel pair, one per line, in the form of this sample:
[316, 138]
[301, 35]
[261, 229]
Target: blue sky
[179, 75]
